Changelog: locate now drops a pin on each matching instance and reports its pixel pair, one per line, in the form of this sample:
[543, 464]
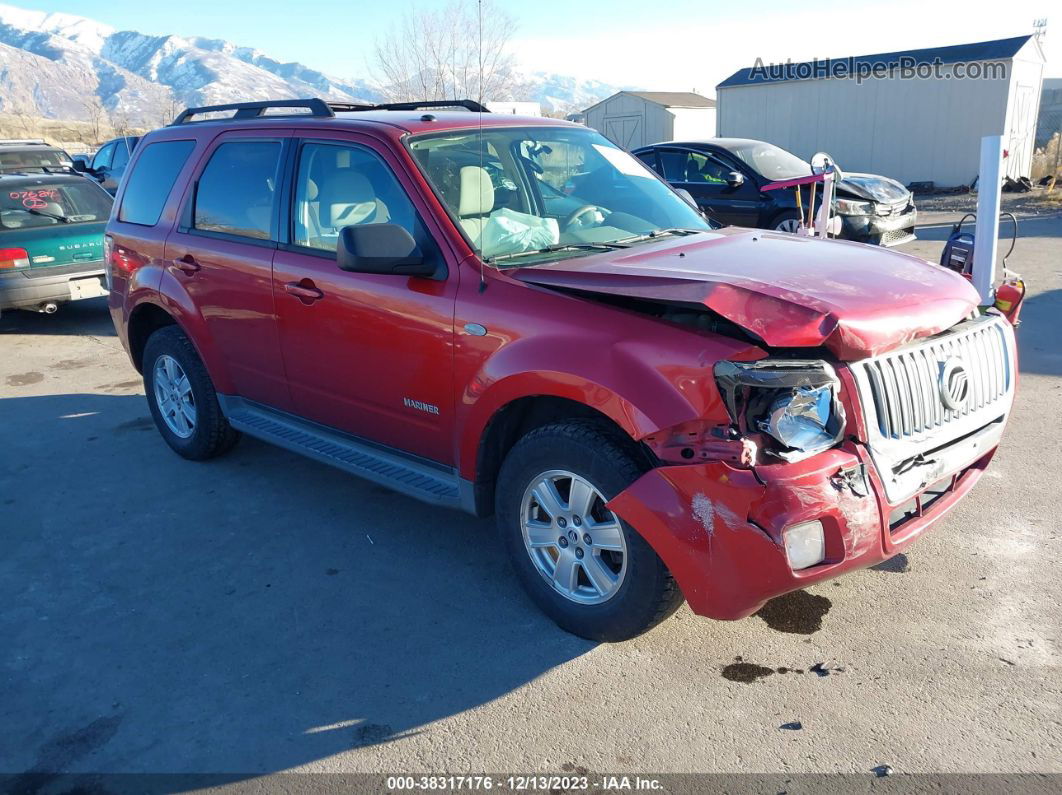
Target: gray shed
[926, 128]
[636, 118]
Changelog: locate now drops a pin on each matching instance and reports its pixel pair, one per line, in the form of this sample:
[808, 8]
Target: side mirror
[80, 166]
[380, 248]
[685, 194]
[735, 179]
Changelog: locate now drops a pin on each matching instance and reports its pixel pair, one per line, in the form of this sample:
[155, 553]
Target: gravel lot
[264, 613]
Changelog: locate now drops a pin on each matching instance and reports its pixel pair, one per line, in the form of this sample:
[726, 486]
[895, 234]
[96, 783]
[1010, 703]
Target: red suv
[514, 316]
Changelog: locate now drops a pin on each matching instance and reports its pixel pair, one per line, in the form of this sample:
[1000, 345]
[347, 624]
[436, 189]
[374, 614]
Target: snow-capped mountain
[64, 66]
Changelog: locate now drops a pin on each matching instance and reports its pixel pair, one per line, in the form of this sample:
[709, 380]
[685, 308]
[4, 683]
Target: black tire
[592, 450]
[783, 217]
[212, 435]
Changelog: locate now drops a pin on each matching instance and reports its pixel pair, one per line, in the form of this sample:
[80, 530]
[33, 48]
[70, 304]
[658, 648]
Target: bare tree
[457, 52]
[95, 114]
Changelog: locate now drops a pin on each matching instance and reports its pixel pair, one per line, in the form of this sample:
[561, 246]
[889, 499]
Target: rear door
[705, 175]
[222, 255]
[370, 354]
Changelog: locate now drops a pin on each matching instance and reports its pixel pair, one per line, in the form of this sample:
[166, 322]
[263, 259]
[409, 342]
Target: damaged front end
[824, 467]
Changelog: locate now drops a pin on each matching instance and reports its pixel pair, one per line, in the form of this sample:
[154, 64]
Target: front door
[222, 255]
[369, 354]
[707, 178]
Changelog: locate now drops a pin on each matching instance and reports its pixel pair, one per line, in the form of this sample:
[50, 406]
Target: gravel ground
[263, 613]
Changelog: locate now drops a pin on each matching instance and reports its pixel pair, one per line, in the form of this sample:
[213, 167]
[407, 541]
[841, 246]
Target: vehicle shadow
[88, 317]
[246, 615]
[1038, 350]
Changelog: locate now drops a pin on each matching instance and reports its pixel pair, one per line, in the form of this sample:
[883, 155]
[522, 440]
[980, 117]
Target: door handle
[305, 291]
[187, 264]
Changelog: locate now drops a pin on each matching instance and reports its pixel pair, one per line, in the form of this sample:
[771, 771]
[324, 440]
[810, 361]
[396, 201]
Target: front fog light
[805, 545]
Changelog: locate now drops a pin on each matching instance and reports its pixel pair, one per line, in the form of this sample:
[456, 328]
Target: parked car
[51, 240]
[725, 177]
[108, 164]
[32, 156]
[652, 407]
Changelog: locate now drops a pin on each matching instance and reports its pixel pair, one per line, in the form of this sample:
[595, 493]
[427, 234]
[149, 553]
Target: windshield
[42, 204]
[771, 161]
[35, 159]
[526, 194]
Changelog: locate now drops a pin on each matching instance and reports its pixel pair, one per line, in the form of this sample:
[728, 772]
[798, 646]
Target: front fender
[641, 385]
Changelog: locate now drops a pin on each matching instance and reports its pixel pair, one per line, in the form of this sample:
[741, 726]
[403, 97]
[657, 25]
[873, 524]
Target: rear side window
[151, 181]
[237, 188]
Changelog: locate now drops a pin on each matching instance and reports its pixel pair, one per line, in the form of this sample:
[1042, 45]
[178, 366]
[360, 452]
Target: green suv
[51, 240]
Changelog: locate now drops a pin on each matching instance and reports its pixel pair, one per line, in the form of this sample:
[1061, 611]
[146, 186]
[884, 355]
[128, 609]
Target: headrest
[477, 192]
[345, 186]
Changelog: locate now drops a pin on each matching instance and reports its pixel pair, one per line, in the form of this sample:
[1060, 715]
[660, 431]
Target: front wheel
[583, 566]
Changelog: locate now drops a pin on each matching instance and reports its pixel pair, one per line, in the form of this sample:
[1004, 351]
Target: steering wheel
[584, 210]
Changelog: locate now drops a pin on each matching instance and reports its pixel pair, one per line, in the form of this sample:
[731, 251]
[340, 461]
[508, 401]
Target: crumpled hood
[873, 187]
[788, 291]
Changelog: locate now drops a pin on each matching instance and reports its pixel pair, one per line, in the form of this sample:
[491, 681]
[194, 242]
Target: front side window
[237, 189]
[103, 157]
[545, 192]
[340, 186]
[47, 204]
[151, 181]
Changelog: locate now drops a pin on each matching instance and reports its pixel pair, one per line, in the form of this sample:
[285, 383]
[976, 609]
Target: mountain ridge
[59, 65]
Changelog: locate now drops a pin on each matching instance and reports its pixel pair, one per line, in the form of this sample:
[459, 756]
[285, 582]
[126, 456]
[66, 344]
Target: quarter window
[340, 186]
[237, 189]
[151, 181]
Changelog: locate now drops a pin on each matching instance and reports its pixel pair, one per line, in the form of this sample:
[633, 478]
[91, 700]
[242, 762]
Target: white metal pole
[989, 186]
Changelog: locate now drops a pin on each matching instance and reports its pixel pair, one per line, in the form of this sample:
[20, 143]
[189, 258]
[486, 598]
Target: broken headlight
[793, 403]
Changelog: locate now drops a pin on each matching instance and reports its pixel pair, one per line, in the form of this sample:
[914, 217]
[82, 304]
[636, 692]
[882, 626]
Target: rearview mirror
[735, 179]
[380, 248]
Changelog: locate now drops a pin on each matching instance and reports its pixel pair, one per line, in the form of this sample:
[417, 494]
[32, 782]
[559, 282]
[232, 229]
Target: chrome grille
[905, 384]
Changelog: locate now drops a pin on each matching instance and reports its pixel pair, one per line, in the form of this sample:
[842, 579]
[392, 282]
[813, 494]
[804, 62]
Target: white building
[636, 118]
[922, 128]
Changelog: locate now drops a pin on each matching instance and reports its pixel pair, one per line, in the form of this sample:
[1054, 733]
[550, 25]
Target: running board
[424, 480]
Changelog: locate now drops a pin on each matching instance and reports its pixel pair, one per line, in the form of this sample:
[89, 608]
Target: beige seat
[476, 201]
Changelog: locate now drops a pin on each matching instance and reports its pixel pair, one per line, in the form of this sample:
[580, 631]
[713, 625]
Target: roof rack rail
[23, 142]
[467, 104]
[255, 110]
[317, 108]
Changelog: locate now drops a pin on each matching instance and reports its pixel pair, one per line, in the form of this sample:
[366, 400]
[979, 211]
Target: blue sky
[677, 45]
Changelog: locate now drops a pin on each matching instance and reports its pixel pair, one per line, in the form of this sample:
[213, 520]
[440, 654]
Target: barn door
[1021, 133]
[624, 131]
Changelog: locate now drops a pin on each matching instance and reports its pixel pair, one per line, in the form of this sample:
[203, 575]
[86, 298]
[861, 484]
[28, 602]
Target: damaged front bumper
[719, 529]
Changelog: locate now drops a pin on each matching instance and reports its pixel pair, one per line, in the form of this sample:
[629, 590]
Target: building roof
[996, 50]
[674, 99]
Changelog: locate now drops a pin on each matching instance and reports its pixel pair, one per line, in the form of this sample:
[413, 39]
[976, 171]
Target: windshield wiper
[677, 230]
[34, 211]
[560, 247]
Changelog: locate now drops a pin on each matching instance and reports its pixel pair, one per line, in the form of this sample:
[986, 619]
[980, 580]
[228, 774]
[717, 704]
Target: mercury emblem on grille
[954, 385]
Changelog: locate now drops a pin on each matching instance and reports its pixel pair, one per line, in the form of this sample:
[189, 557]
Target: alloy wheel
[575, 542]
[173, 395]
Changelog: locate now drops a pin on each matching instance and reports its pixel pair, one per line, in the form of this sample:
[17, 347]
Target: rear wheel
[182, 399]
[582, 565]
